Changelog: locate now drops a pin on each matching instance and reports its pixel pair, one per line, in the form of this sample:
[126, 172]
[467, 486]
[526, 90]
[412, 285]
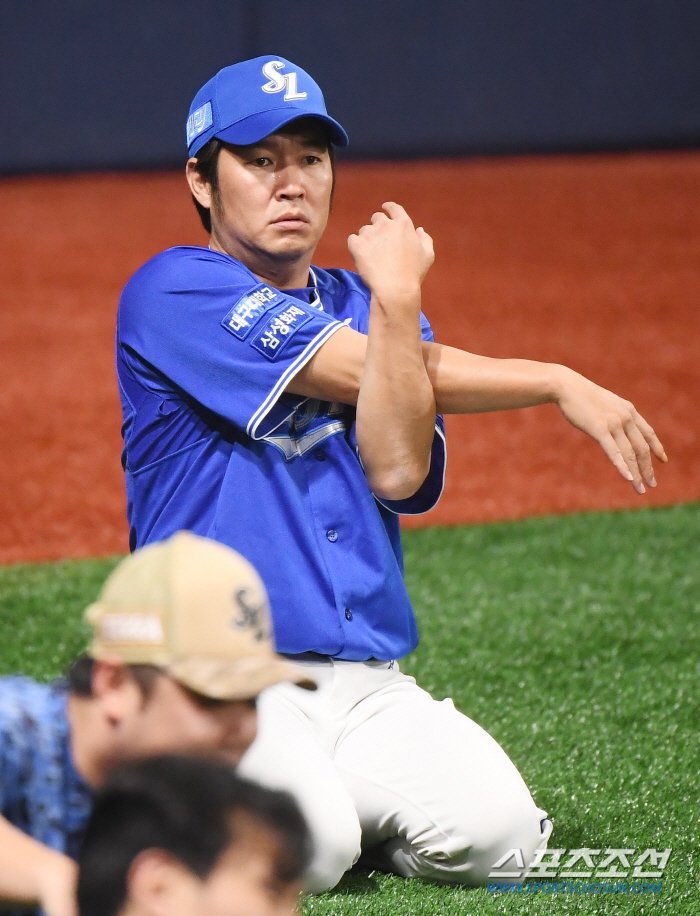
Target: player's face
[274, 197]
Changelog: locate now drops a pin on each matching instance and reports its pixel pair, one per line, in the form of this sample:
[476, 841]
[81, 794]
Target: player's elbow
[399, 482]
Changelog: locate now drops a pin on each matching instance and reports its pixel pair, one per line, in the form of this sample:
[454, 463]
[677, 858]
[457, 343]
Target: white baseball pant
[373, 759]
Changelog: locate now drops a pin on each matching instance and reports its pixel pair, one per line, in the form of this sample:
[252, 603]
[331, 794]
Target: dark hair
[185, 806]
[80, 676]
[208, 166]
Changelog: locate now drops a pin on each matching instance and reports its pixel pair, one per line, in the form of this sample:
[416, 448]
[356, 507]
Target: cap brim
[258, 126]
[222, 679]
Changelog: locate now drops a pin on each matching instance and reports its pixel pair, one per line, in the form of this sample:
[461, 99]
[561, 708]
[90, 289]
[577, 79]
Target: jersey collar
[316, 296]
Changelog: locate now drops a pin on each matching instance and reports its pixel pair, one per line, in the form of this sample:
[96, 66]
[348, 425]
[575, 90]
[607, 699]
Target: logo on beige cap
[136, 628]
[196, 609]
[252, 616]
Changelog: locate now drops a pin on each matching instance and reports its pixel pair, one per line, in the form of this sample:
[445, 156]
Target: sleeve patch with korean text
[246, 313]
[276, 333]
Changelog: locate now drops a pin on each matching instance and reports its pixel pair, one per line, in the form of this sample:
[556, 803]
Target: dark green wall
[98, 84]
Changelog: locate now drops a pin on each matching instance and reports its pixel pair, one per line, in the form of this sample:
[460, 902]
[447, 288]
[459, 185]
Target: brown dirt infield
[592, 261]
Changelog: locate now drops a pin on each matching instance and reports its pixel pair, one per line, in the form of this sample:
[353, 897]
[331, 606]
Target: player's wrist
[557, 381]
[397, 298]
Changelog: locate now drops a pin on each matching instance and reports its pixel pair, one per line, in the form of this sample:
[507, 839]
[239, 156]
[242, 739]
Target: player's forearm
[395, 405]
[33, 874]
[466, 383]
[462, 382]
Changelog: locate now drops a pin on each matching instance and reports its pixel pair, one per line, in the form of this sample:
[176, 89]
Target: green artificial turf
[574, 641]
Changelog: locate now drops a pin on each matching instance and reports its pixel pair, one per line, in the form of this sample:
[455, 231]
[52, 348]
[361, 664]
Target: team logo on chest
[312, 423]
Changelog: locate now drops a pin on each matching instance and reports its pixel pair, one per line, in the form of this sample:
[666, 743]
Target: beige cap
[197, 609]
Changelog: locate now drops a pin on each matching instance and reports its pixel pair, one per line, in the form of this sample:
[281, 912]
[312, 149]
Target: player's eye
[261, 161]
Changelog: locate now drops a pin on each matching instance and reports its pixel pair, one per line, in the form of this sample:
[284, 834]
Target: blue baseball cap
[251, 100]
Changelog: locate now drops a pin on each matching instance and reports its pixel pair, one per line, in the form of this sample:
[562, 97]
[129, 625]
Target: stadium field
[573, 640]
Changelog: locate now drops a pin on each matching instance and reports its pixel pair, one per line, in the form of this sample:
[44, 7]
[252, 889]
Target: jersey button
[320, 455]
[348, 613]
[332, 535]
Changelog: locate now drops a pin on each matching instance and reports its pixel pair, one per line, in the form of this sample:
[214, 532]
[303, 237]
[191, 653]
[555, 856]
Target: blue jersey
[214, 444]
[41, 792]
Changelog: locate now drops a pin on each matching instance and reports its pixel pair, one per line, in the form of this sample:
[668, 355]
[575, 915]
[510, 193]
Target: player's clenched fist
[391, 255]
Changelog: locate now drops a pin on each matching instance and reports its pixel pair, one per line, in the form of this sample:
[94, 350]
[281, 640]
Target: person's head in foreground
[182, 647]
[261, 167]
[183, 836]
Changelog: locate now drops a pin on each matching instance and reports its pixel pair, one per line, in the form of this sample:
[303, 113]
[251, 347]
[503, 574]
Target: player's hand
[59, 880]
[391, 255]
[623, 434]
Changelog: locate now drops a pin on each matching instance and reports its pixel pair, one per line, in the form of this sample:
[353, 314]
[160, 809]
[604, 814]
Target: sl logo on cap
[280, 81]
[251, 616]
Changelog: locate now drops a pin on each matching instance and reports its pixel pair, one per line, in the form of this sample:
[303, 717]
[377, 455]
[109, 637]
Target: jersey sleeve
[233, 344]
[430, 491]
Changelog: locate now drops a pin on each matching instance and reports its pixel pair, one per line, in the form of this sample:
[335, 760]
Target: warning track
[591, 261]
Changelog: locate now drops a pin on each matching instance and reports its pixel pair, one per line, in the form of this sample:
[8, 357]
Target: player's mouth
[292, 220]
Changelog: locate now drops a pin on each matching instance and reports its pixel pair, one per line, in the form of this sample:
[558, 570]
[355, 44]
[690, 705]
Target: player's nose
[289, 184]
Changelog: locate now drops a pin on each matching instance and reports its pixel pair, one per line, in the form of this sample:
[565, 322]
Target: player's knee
[514, 844]
[337, 843]
[468, 855]
[508, 819]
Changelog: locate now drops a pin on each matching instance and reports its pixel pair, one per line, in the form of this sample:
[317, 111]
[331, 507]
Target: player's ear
[156, 881]
[200, 188]
[115, 689]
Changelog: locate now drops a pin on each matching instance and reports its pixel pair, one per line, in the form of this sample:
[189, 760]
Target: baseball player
[294, 413]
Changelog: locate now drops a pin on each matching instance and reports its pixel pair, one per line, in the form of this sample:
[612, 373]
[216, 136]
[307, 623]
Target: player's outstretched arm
[467, 383]
[33, 874]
